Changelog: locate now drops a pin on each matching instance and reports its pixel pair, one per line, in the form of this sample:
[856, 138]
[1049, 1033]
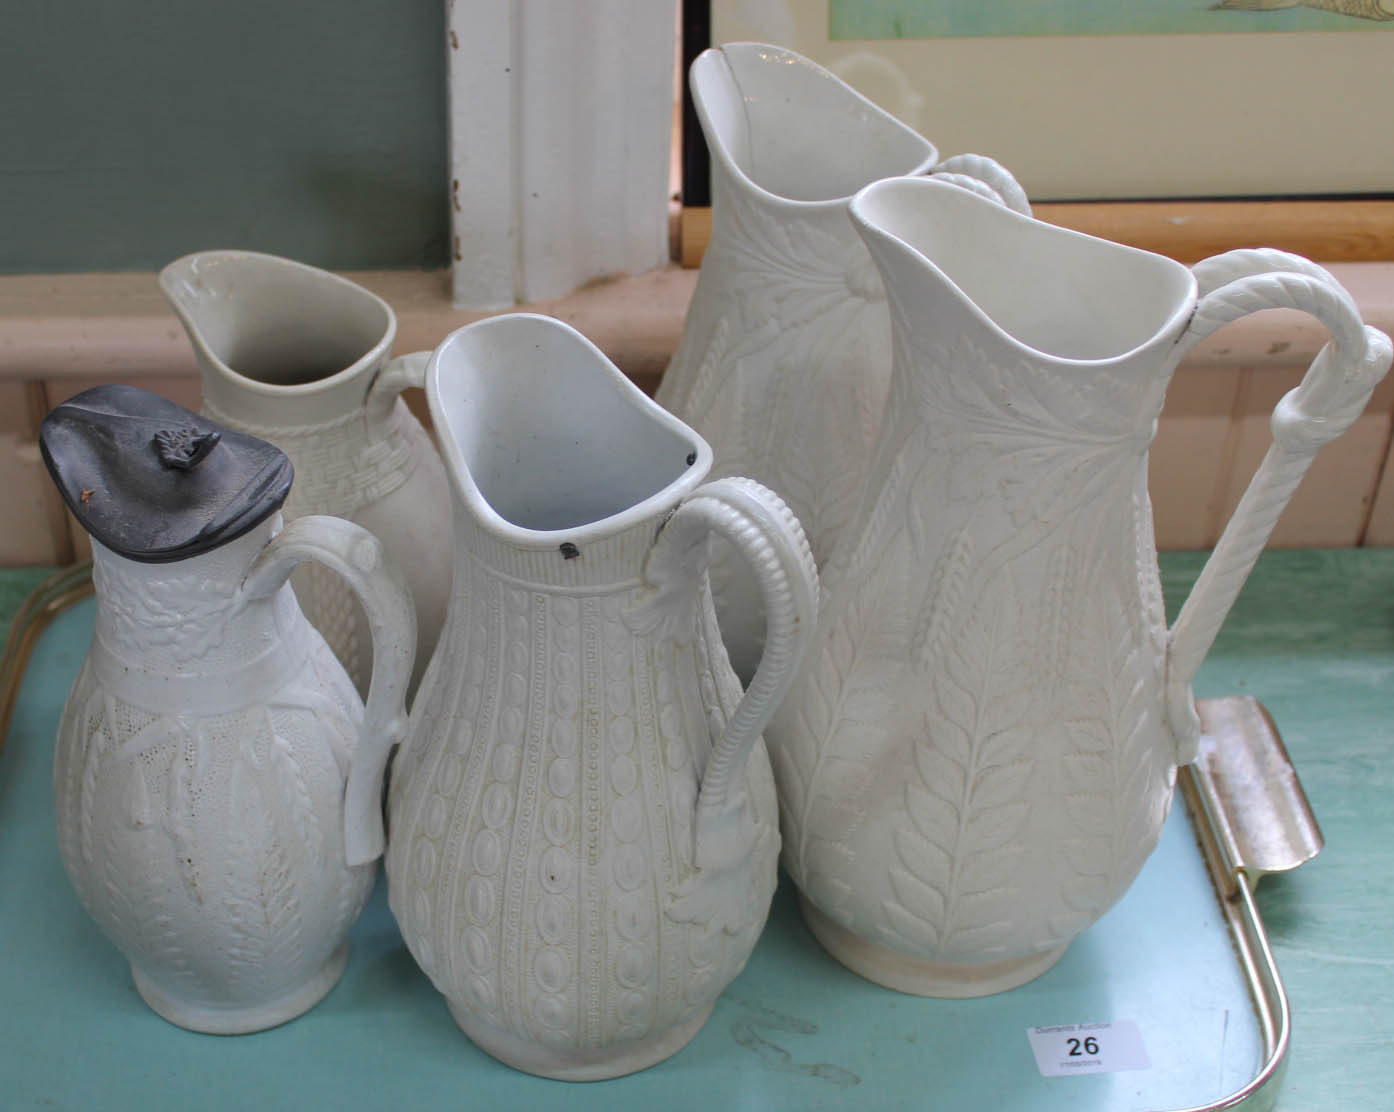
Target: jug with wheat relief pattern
[981, 745]
[217, 786]
[785, 353]
[583, 819]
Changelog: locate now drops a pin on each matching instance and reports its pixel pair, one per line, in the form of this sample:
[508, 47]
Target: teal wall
[135, 131]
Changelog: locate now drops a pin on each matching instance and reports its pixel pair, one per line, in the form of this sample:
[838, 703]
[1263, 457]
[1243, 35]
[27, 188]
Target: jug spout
[561, 454]
[956, 261]
[270, 330]
[791, 130]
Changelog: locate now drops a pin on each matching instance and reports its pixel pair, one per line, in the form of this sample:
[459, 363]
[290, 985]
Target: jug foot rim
[211, 1019]
[596, 1064]
[916, 976]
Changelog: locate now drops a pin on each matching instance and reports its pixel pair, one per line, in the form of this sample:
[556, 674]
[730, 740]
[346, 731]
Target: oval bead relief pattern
[542, 819]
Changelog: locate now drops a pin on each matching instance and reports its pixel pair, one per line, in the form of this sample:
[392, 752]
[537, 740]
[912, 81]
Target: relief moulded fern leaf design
[954, 875]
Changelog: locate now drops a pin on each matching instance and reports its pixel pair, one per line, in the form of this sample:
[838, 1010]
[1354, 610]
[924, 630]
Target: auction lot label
[1077, 1048]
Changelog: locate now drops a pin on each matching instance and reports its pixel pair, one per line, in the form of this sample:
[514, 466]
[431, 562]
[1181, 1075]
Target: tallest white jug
[785, 356]
[979, 750]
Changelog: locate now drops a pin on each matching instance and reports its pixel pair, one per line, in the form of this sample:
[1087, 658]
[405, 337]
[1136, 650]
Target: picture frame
[1187, 144]
[1266, 113]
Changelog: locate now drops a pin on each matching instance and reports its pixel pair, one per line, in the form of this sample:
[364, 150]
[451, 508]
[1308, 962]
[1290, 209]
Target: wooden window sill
[60, 334]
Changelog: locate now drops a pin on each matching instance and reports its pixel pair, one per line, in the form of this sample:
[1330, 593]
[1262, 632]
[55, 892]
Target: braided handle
[976, 171]
[1221, 270]
[764, 530]
[1332, 394]
[973, 185]
[400, 374]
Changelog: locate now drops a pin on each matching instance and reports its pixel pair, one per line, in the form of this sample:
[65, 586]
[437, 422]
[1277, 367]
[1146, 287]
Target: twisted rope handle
[985, 176]
[766, 532]
[400, 374]
[1332, 394]
[359, 557]
[973, 185]
[1221, 270]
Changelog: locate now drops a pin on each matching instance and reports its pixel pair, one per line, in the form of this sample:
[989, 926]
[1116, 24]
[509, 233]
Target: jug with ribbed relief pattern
[583, 822]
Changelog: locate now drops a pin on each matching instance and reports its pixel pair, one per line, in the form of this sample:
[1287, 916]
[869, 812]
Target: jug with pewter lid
[217, 779]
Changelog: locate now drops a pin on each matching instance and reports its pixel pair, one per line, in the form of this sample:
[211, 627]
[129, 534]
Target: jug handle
[397, 375]
[358, 556]
[986, 177]
[758, 524]
[1329, 398]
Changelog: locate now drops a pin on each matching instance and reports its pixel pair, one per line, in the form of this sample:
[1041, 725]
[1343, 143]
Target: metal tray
[1184, 956]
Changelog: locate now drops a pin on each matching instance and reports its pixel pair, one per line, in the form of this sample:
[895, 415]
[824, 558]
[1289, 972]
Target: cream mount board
[1122, 116]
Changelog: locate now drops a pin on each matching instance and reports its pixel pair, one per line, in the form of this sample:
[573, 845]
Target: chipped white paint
[560, 129]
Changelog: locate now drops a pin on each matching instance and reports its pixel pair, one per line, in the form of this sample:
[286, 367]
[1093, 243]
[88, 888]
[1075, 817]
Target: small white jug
[300, 357]
[215, 771]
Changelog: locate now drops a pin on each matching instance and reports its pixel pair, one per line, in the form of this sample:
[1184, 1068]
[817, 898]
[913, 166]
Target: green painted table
[1312, 636]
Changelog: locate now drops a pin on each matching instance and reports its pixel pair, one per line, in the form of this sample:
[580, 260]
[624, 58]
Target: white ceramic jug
[210, 741]
[583, 820]
[980, 748]
[785, 354]
[300, 357]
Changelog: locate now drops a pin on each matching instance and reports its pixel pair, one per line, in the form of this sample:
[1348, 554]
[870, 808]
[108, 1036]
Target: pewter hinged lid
[154, 482]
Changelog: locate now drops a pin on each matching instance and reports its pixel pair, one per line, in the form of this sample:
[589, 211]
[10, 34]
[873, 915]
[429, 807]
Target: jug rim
[717, 146]
[1167, 329]
[627, 393]
[373, 356]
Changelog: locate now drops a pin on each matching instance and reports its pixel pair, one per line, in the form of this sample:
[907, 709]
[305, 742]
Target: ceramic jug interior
[519, 459]
[277, 323]
[1059, 293]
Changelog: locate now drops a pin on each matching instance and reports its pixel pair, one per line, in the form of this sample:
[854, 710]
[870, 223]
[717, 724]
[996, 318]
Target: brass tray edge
[1234, 889]
[62, 589]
